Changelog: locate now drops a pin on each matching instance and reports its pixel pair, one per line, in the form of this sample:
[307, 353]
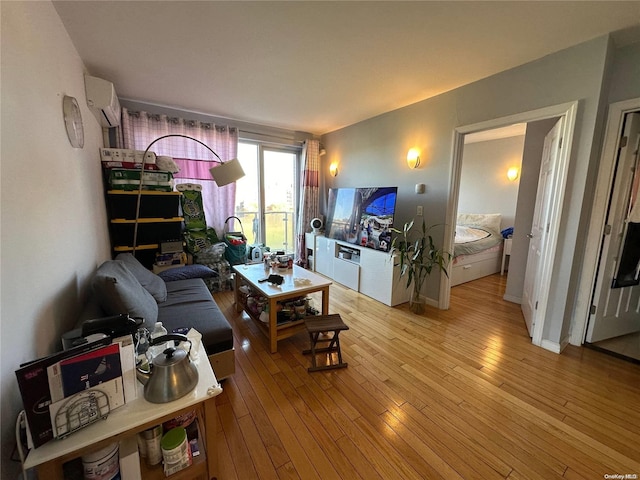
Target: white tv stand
[370, 272]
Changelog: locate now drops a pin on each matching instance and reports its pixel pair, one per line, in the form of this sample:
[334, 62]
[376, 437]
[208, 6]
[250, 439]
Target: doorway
[613, 320]
[567, 112]
[486, 188]
[489, 184]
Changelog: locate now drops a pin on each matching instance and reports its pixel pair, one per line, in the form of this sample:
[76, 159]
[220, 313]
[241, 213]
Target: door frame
[604, 184]
[569, 112]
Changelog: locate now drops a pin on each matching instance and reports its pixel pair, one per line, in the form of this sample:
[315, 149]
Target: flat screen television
[361, 216]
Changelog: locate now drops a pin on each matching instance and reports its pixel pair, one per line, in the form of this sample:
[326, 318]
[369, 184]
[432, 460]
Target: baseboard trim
[432, 302]
[551, 346]
[512, 299]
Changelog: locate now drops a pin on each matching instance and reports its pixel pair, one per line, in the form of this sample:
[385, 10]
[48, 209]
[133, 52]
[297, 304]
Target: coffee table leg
[325, 301]
[236, 293]
[273, 325]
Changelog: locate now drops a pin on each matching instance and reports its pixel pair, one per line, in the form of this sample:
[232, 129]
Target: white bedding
[476, 232]
[467, 234]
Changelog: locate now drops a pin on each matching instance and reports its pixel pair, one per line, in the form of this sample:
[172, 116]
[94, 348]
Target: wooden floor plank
[460, 393]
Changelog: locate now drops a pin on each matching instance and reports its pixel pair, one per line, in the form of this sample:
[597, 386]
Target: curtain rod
[211, 123]
[278, 133]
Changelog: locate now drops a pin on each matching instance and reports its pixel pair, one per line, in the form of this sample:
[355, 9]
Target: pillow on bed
[489, 220]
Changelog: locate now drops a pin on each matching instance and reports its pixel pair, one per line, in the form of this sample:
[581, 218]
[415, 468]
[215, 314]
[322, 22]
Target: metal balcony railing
[279, 229]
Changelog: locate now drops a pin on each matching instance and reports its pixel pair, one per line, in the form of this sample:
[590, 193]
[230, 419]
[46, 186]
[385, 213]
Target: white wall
[484, 186]
[373, 151]
[53, 223]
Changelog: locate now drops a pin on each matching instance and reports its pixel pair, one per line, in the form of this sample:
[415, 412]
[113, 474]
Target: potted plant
[417, 257]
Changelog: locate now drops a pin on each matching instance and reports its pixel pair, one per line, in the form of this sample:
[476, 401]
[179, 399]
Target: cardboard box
[81, 372]
[129, 179]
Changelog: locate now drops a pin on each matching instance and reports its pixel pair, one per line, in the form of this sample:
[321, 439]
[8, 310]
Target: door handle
[529, 235]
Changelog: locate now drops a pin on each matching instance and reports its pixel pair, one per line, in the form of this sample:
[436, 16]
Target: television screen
[362, 216]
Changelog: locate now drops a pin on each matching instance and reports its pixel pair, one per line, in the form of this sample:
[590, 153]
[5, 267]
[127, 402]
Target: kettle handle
[178, 337]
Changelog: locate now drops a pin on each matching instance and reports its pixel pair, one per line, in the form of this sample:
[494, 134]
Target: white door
[615, 311]
[540, 225]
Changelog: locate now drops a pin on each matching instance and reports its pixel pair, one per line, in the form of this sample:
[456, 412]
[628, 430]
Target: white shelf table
[136, 416]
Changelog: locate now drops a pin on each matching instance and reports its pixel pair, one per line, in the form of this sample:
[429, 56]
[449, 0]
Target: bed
[477, 247]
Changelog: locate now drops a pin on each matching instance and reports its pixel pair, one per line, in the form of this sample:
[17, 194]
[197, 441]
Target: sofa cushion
[118, 291]
[186, 272]
[190, 305]
[151, 282]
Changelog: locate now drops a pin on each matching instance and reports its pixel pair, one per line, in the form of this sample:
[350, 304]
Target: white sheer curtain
[309, 196]
[139, 129]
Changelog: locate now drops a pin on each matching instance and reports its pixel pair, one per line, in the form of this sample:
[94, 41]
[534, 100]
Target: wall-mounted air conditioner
[102, 100]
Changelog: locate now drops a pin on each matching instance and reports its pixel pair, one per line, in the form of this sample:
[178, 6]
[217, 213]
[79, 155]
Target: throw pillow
[149, 280]
[186, 272]
[118, 291]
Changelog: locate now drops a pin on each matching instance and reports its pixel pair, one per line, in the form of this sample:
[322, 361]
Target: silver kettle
[171, 374]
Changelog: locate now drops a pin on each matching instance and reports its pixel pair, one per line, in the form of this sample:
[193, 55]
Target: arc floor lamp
[224, 174]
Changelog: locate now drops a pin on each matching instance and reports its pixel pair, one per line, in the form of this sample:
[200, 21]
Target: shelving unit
[159, 220]
[284, 328]
[250, 276]
[137, 416]
[370, 272]
[346, 266]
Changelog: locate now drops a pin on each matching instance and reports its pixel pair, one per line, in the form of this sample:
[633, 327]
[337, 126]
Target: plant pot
[416, 304]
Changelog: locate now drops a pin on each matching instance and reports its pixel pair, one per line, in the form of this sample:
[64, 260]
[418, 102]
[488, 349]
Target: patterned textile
[139, 129]
[309, 196]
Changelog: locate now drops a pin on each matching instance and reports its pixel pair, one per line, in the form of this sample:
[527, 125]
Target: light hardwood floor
[626, 345]
[451, 394]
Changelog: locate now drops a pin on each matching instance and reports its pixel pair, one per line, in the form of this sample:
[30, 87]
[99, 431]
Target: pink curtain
[139, 129]
[309, 196]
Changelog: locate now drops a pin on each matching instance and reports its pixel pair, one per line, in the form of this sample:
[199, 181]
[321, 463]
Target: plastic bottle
[158, 331]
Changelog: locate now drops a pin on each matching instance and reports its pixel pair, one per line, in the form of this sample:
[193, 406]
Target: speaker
[316, 224]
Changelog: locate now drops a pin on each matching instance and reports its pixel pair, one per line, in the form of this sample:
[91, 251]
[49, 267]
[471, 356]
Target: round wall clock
[73, 121]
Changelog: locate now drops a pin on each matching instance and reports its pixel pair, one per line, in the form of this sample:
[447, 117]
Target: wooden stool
[318, 324]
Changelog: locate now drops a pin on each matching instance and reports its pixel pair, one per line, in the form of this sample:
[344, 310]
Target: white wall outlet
[419, 211]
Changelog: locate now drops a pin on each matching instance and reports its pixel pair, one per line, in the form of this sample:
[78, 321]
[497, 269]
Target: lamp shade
[227, 172]
[413, 158]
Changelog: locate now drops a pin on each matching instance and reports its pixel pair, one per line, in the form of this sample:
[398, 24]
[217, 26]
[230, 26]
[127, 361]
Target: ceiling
[319, 66]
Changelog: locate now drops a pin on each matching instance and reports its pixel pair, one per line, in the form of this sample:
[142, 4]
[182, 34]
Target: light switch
[419, 212]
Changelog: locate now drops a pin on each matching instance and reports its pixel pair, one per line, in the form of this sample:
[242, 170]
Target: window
[266, 198]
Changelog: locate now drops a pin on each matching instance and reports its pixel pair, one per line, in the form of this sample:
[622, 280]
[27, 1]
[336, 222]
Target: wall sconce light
[413, 158]
[512, 173]
[333, 169]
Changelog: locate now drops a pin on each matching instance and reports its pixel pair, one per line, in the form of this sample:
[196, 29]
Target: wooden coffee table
[297, 282]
